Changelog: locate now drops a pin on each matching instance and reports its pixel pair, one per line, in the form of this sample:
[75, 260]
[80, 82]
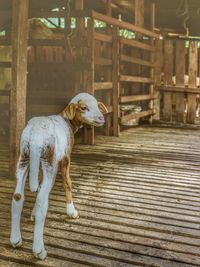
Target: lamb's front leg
[67, 184]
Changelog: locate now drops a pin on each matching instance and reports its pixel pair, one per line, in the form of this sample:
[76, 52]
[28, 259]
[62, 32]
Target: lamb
[47, 142]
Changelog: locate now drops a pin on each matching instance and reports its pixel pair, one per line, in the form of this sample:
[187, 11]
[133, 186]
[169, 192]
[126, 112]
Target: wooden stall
[100, 60]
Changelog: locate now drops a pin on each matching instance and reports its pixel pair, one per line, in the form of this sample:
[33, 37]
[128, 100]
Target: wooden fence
[118, 69]
[177, 77]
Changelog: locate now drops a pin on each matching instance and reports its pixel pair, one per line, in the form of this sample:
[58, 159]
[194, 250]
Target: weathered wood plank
[128, 78]
[168, 72]
[19, 77]
[180, 74]
[115, 81]
[192, 71]
[132, 98]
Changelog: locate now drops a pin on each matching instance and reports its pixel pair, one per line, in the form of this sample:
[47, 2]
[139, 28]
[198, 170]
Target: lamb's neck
[75, 124]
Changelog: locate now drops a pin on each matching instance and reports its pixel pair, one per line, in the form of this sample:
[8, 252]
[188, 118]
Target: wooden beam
[138, 115]
[180, 74]
[133, 98]
[139, 13]
[109, 8]
[103, 37]
[192, 72]
[137, 44]
[179, 89]
[128, 78]
[134, 60]
[19, 76]
[115, 81]
[122, 24]
[89, 78]
[103, 85]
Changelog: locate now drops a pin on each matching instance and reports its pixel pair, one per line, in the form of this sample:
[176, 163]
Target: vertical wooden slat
[192, 71]
[168, 72]
[19, 76]
[89, 78]
[79, 5]
[108, 7]
[115, 81]
[151, 89]
[157, 75]
[180, 73]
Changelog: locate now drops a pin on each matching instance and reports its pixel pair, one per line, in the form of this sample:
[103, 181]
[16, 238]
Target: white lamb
[46, 142]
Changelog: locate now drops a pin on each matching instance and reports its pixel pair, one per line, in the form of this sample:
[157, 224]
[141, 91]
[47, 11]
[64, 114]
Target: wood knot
[17, 196]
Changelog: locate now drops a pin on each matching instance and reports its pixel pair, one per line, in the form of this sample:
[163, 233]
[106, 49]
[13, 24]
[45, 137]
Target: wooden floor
[138, 198]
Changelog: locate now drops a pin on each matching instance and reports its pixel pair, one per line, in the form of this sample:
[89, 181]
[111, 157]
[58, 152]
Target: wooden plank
[158, 59]
[19, 78]
[103, 37]
[180, 74]
[138, 115]
[102, 61]
[5, 64]
[103, 85]
[152, 70]
[129, 59]
[109, 8]
[115, 81]
[136, 44]
[4, 92]
[89, 78]
[128, 78]
[179, 89]
[122, 24]
[132, 98]
[168, 72]
[192, 71]
[139, 16]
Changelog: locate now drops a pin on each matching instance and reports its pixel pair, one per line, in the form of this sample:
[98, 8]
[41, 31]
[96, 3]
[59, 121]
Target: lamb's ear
[71, 111]
[102, 108]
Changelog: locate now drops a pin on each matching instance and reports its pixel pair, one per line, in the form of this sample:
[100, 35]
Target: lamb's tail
[35, 154]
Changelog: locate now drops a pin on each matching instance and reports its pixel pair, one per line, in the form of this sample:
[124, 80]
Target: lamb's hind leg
[18, 200]
[41, 207]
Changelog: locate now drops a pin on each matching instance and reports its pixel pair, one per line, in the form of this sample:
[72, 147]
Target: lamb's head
[85, 109]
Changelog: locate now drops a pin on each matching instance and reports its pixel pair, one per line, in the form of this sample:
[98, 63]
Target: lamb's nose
[101, 118]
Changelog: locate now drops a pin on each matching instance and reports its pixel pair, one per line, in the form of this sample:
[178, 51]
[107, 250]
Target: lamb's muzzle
[46, 142]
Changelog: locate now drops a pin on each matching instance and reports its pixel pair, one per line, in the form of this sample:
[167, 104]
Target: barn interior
[136, 180]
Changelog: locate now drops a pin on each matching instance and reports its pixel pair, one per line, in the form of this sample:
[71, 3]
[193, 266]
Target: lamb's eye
[84, 108]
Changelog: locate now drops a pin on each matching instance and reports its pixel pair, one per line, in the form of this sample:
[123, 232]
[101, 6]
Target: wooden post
[192, 72]
[180, 73]
[89, 78]
[168, 72]
[115, 81]
[139, 12]
[158, 72]
[151, 89]
[19, 76]
[108, 7]
[79, 5]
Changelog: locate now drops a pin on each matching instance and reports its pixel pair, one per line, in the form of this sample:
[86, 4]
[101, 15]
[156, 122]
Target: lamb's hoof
[40, 255]
[16, 244]
[73, 215]
[71, 211]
